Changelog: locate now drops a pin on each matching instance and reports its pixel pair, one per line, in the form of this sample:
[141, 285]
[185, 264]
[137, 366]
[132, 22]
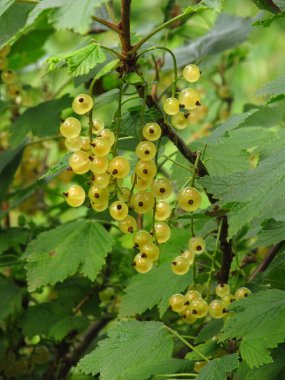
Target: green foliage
[10, 298]
[32, 121]
[239, 190]
[274, 88]
[218, 369]
[265, 311]
[227, 32]
[128, 352]
[80, 61]
[272, 232]
[61, 252]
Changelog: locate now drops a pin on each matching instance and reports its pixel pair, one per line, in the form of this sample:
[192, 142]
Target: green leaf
[132, 78]
[143, 294]
[208, 349]
[12, 237]
[56, 169]
[228, 32]
[68, 14]
[131, 121]
[13, 21]
[248, 191]
[268, 5]
[272, 232]
[106, 98]
[80, 61]
[39, 319]
[10, 298]
[4, 5]
[218, 369]
[107, 68]
[59, 253]
[9, 162]
[32, 120]
[266, 312]
[215, 5]
[62, 328]
[274, 88]
[129, 351]
[212, 328]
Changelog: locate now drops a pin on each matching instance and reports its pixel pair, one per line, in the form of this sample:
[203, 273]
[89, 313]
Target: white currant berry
[82, 104]
[191, 73]
[75, 196]
[171, 106]
[151, 131]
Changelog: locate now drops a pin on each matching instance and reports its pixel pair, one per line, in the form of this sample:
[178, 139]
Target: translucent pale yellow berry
[188, 317]
[108, 135]
[217, 309]
[162, 211]
[70, 128]
[13, 91]
[118, 210]
[141, 237]
[100, 206]
[197, 245]
[191, 295]
[191, 73]
[98, 195]
[119, 167]
[179, 121]
[145, 169]
[242, 293]
[199, 307]
[228, 299]
[146, 150]
[101, 180]
[222, 290]
[180, 265]
[80, 162]
[141, 184]
[150, 251]
[100, 147]
[190, 98]
[97, 126]
[4, 51]
[124, 194]
[82, 104]
[176, 303]
[151, 131]
[73, 145]
[162, 232]
[3, 63]
[99, 165]
[162, 188]
[189, 255]
[142, 202]
[86, 144]
[199, 365]
[189, 199]
[75, 196]
[9, 76]
[171, 106]
[142, 265]
[129, 224]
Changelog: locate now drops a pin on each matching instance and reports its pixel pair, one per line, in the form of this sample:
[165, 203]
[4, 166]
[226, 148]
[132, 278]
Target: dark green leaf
[218, 369]
[42, 120]
[274, 88]
[10, 298]
[59, 253]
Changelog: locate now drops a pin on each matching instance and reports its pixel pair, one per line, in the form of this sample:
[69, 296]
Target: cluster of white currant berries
[181, 264]
[114, 186]
[192, 306]
[189, 99]
[13, 87]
